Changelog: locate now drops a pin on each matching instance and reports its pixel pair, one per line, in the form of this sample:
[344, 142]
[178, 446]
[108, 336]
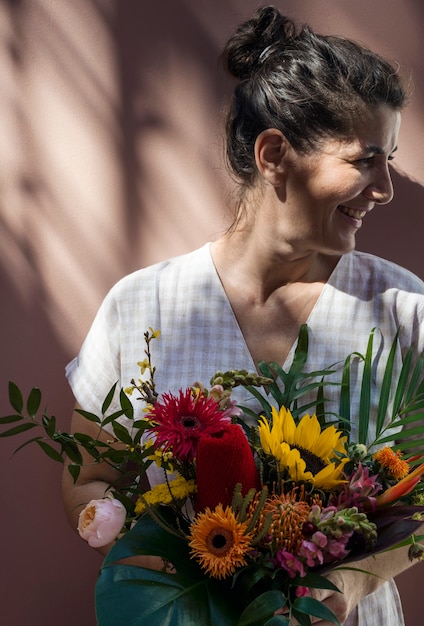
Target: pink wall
[110, 160]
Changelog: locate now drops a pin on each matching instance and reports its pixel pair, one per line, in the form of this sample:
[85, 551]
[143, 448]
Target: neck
[260, 266]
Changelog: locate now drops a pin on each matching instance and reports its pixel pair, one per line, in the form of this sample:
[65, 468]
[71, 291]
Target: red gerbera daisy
[180, 421]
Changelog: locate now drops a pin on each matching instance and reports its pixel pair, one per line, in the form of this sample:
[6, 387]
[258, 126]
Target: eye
[365, 160]
[369, 160]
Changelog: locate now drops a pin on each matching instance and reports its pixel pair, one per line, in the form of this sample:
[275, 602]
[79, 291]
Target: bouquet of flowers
[253, 508]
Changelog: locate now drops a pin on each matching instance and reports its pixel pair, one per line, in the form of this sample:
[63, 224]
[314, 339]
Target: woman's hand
[352, 586]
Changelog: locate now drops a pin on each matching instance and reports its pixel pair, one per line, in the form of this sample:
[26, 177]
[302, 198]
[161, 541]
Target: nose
[380, 190]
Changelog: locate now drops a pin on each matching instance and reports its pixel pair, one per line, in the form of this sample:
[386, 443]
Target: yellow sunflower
[305, 450]
[219, 542]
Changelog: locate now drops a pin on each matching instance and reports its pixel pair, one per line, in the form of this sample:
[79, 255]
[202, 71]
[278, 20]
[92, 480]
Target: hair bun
[245, 49]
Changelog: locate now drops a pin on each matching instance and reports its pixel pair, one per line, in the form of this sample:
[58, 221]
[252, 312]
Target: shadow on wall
[395, 231]
[172, 155]
[40, 553]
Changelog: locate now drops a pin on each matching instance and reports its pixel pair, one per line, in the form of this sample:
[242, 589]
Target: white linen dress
[184, 298]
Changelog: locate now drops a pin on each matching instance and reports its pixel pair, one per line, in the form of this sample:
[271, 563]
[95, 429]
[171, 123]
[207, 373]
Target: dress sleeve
[93, 372]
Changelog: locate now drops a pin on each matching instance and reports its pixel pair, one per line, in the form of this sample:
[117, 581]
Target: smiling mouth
[355, 213]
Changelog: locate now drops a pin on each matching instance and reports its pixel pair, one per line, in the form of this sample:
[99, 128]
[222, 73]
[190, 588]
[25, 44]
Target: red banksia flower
[222, 461]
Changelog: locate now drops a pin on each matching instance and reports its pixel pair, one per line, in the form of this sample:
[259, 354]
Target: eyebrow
[377, 149]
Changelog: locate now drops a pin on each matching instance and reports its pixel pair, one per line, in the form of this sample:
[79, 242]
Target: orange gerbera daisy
[392, 462]
[219, 542]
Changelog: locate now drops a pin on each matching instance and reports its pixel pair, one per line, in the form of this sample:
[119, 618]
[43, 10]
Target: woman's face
[329, 192]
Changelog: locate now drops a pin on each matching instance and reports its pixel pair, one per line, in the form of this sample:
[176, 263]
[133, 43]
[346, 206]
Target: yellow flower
[219, 542]
[154, 333]
[305, 450]
[165, 493]
[392, 461]
[144, 365]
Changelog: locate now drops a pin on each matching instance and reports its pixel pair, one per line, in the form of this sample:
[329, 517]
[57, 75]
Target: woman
[312, 126]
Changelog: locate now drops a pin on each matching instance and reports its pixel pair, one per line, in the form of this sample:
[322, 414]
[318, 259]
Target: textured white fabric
[184, 298]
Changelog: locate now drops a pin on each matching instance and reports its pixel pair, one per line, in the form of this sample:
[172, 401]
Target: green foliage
[400, 406]
[288, 388]
[400, 397]
[127, 594]
[63, 447]
[305, 607]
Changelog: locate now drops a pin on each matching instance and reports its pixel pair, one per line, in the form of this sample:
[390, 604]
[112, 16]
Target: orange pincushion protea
[392, 462]
[288, 513]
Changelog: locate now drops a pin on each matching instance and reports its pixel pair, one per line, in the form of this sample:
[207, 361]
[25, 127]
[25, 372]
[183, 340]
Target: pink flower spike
[337, 547]
[290, 563]
[319, 539]
[311, 553]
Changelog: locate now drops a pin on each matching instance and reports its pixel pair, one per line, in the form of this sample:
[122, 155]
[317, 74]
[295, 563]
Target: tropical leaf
[401, 386]
[262, 608]
[295, 383]
[402, 391]
[344, 401]
[314, 581]
[278, 620]
[131, 595]
[386, 387]
[365, 396]
[310, 606]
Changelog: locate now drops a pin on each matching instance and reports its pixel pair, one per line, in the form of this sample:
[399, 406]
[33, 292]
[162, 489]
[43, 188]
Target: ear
[270, 150]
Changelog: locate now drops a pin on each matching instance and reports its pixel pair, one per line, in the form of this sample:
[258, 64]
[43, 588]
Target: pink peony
[101, 521]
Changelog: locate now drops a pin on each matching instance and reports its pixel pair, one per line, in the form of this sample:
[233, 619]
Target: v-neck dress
[183, 297]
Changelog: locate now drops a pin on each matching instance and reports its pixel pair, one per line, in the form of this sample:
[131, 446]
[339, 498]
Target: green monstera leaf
[128, 595]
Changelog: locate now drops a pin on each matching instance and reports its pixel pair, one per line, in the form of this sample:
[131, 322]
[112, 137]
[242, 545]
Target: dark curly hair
[308, 86]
